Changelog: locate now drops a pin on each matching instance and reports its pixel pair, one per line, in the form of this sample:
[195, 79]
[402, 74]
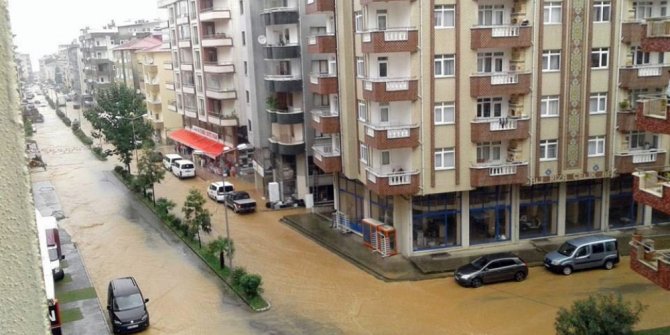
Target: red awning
[208, 146]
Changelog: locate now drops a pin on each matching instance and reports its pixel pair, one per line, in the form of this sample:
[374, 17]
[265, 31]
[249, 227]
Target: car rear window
[187, 166]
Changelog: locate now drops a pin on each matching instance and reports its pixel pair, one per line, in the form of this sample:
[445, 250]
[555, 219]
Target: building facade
[470, 123]
[98, 59]
[129, 69]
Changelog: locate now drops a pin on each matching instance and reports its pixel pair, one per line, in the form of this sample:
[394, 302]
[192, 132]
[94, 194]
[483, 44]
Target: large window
[445, 65]
[549, 106]
[538, 210]
[552, 12]
[601, 11]
[551, 60]
[640, 57]
[381, 208]
[582, 208]
[488, 62]
[358, 21]
[351, 202]
[596, 146]
[488, 152]
[598, 103]
[642, 9]
[445, 159]
[360, 67]
[599, 58]
[548, 150]
[623, 211]
[490, 214]
[491, 15]
[489, 107]
[444, 16]
[444, 113]
[362, 111]
[364, 154]
[436, 221]
[639, 140]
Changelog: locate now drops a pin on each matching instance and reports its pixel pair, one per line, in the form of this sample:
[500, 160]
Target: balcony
[184, 43]
[643, 76]
[172, 106]
[188, 88]
[499, 129]
[628, 162]
[327, 157]
[167, 65]
[215, 67]
[283, 83]
[653, 34]
[625, 121]
[323, 84]
[390, 89]
[367, 2]
[221, 93]
[191, 111]
[499, 83]
[497, 37]
[502, 173]
[392, 183]
[319, 6]
[391, 136]
[390, 40]
[222, 119]
[286, 145]
[280, 15]
[652, 114]
[217, 40]
[652, 188]
[213, 14]
[322, 44]
[285, 51]
[325, 121]
[169, 85]
[292, 115]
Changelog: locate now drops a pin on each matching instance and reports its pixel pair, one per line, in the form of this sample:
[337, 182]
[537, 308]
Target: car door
[211, 191]
[583, 257]
[491, 272]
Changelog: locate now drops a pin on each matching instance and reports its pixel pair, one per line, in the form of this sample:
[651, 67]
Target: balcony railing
[652, 188]
[499, 83]
[216, 40]
[499, 129]
[390, 89]
[319, 6]
[390, 40]
[219, 67]
[652, 114]
[326, 121]
[498, 173]
[644, 76]
[392, 183]
[325, 43]
[503, 36]
[628, 162]
[392, 136]
[323, 83]
[214, 13]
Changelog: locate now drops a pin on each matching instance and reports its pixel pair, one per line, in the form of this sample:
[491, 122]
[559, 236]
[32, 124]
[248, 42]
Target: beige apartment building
[128, 67]
[485, 123]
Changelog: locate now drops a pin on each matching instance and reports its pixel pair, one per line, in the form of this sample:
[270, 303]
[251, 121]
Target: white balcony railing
[317, 114]
[497, 168]
[649, 71]
[505, 31]
[392, 84]
[504, 78]
[392, 131]
[390, 34]
[646, 157]
[394, 178]
[502, 123]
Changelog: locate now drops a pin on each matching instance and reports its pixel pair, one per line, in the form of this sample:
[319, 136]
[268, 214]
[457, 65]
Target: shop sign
[205, 132]
[572, 177]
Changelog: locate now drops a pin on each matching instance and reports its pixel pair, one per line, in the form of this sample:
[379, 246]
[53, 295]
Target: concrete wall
[24, 309]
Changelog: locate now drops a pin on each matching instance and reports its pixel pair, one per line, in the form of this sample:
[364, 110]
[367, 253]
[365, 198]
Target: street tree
[599, 315]
[196, 217]
[118, 117]
[222, 246]
[149, 172]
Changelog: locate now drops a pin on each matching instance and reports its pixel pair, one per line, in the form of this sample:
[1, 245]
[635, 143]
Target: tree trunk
[153, 194]
[222, 260]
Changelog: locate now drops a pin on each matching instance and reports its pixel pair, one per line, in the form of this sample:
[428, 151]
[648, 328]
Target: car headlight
[145, 317]
[117, 322]
[465, 276]
[555, 262]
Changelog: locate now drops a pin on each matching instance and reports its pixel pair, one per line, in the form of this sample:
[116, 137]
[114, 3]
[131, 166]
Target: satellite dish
[262, 40]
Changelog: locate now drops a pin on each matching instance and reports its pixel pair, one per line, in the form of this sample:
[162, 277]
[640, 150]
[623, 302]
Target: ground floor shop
[504, 214]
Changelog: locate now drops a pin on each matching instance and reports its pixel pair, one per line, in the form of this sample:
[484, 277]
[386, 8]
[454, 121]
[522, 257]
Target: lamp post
[225, 210]
[132, 119]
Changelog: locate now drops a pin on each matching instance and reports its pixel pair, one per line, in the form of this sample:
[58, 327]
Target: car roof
[500, 255]
[184, 161]
[172, 156]
[124, 286]
[221, 183]
[590, 239]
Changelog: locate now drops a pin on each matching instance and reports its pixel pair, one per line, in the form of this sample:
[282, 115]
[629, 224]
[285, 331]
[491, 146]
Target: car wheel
[609, 265]
[519, 276]
[567, 270]
[477, 282]
[59, 275]
[180, 174]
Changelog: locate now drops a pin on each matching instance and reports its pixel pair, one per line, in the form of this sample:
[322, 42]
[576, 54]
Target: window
[246, 69]
[445, 159]
[601, 11]
[489, 107]
[364, 154]
[549, 106]
[642, 9]
[551, 60]
[488, 62]
[444, 16]
[358, 19]
[386, 157]
[552, 12]
[596, 146]
[548, 150]
[640, 57]
[444, 113]
[610, 246]
[244, 38]
[360, 67]
[491, 15]
[384, 112]
[599, 58]
[381, 19]
[362, 111]
[598, 248]
[242, 12]
[598, 103]
[488, 152]
[247, 91]
[444, 65]
[383, 64]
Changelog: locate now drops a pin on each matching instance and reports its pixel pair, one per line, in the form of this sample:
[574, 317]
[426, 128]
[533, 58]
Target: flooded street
[312, 290]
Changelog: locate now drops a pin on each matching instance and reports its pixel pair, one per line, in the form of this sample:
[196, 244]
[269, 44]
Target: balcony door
[490, 62]
[489, 152]
[381, 19]
[384, 114]
[383, 64]
[491, 15]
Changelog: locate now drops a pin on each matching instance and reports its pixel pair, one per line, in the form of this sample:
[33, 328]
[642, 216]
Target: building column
[465, 219]
[605, 206]
[515, 200]
[647, 215]
[301, 175]
[402, 218]
[562, 188]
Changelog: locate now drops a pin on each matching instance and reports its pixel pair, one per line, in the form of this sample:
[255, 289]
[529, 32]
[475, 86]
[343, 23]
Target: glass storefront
[490, 214]
[582, 206]
[658, 217]
[351, 198]
[538, 210]
[436, 221]
[623, 211]
[381, 208]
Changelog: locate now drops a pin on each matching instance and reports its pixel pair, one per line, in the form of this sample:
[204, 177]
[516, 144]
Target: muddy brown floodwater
[312, 290]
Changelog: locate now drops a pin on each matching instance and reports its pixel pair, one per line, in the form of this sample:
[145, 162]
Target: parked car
[127, 306]
[218, 190]
[183, 168]
[492, 268]
[240, 202]
[169, 159]
[584, 253]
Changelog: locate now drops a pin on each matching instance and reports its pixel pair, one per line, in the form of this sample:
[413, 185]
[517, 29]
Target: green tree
[599, 315]
[195, 215]
[117, 116]
[149, 172]
[222, 246]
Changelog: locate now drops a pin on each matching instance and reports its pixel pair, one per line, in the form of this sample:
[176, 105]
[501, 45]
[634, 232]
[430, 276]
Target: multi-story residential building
[73, 71]
[471, 123]
[137, 29]
[25, 67]
[128, 67]
[158, 89]
[49, 70]
[98, 61]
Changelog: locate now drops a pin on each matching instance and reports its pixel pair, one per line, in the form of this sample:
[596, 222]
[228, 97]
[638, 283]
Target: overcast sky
[41, 25]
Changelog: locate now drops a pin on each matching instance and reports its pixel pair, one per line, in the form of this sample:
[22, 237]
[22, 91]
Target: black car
[492, 268]
[126, 305]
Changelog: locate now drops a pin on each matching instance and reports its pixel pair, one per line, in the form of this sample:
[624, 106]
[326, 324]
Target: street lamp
[225, 206]
[132, 119]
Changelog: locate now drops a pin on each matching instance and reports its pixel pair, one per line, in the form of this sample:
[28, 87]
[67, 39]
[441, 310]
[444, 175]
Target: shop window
[381, 208]
[623, 210]
[436, 221]
[490, 217]
[582, 208]
[351, 197]
[538, 211]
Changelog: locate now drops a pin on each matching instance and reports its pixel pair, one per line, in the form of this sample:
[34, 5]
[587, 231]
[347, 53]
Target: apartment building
[73, 72]
[137, 29]
[25, 67]
[97, 57]
[465, 124]
[127, 64]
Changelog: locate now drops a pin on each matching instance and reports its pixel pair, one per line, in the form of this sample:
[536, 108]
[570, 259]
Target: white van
[169, 159]
[183, 168]
[218, 190]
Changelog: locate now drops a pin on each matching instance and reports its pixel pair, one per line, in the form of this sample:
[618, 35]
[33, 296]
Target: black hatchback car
[492, 268]
[126, 305]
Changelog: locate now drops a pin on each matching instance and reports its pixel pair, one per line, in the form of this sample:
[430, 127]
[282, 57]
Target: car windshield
[126, 302]
[480, 262]
[566, 249]
[242, 196]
